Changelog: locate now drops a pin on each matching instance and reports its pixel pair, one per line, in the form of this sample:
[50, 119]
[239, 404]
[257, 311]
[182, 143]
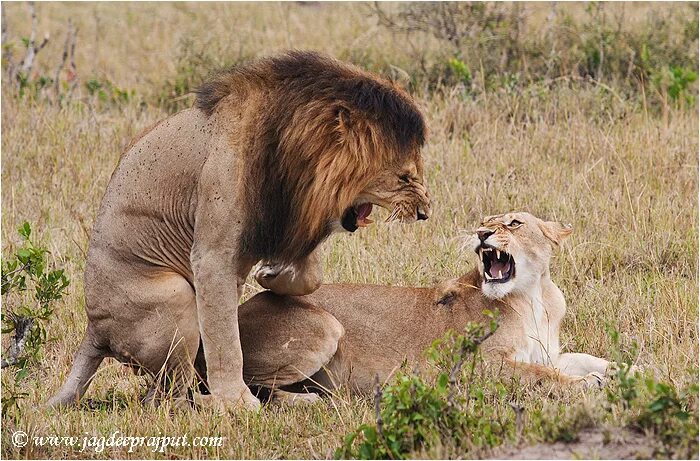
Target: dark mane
[307, 75]
[306, 95]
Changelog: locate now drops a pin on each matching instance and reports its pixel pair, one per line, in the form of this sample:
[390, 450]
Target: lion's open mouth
[357, 216]
[499, 266]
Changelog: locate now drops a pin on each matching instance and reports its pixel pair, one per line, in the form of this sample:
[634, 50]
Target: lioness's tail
[85, 364]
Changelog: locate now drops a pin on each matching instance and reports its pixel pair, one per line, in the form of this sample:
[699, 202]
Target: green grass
[618, 163]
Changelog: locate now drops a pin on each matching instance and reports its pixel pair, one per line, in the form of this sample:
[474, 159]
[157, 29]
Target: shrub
[420, 413]
[29, 291]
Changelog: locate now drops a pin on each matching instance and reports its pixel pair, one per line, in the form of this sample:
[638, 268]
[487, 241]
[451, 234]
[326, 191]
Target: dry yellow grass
[625, 178]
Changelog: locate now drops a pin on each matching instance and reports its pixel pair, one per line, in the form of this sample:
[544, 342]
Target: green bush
[667, 410]
[29, 290]
[417, 413]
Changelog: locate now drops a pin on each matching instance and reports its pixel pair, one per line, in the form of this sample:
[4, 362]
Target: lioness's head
[514, 250]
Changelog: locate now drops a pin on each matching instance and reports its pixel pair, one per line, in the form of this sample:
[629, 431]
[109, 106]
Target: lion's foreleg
[299, 278]
[217, 312]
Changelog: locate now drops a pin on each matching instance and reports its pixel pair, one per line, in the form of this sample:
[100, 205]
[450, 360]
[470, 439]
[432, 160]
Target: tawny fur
[386, 325]
[263, 168]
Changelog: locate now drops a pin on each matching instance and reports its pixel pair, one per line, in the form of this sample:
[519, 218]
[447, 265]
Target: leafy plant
[107, 92]
[29, 291]
[417, 413]
[460, 70]
[669, 412]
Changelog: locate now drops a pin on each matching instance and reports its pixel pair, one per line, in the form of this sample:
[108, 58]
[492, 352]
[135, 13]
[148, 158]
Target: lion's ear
[344, 119]
[555, 231]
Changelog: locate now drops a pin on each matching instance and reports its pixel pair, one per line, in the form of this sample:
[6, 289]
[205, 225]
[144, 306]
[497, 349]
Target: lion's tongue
[497, 266]
[363, 211]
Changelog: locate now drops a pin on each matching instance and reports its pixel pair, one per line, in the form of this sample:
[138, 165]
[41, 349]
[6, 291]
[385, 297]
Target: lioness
[275, 156]
[345, 334]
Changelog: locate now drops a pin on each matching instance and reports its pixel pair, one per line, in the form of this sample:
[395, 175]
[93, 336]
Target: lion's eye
[515, 223]
[405, 178]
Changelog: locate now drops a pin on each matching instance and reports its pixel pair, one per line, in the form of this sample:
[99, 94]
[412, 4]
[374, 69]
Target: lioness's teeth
[488, 277]
[500, 274]
[498, 254]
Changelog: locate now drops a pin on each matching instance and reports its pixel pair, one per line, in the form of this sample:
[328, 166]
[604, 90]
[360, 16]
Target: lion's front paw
[226, 404]
[266, 274]
[593, 380]
[287, 280]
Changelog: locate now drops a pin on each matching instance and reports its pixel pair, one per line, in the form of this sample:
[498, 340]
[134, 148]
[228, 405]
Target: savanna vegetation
[585, 113]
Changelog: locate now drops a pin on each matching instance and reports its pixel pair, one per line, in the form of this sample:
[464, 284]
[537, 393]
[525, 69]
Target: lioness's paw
[614, 368]
[225, 405]
[593, 380]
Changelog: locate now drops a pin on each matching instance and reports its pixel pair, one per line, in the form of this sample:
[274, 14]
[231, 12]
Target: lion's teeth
[498, 254]
[500, 274]
[488, 277]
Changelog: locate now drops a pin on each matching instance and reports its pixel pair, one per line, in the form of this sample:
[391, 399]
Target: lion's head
[514, 251]
[329, 143]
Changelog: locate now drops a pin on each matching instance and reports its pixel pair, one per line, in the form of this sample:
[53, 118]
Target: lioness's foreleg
[580, 364]
[533, 372]
[297, 279]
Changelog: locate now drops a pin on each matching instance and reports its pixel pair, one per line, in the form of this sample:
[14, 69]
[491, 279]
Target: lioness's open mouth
[499, 266]
[357, 216]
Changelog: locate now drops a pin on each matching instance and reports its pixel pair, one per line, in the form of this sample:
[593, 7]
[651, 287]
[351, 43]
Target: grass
[620, 164]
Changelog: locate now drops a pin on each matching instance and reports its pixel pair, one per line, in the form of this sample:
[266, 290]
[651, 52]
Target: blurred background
[155, 53]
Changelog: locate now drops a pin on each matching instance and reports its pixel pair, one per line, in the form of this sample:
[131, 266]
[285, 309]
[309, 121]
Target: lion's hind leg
[294, 398]
[147, 317]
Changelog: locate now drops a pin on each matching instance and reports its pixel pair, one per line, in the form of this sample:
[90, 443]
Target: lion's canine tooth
[498, 254]
[488, 277]
[500, 274]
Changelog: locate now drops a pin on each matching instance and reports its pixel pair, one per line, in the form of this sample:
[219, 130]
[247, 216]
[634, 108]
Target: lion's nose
[483, 234]
[423, 214]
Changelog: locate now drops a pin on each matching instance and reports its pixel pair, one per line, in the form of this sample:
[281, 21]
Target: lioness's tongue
[497, 266]
[363, 211]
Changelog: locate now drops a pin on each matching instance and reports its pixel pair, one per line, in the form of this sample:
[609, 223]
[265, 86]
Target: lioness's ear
[555, 231]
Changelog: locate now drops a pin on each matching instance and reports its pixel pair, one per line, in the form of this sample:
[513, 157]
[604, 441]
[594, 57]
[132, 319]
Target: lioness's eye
[515, 223]
[405, 178]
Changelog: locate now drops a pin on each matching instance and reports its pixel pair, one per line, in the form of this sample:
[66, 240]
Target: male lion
[274, 157]
[347, 334]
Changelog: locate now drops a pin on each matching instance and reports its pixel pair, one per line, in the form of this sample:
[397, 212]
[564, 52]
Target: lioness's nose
[483, 234]
[422, 213]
